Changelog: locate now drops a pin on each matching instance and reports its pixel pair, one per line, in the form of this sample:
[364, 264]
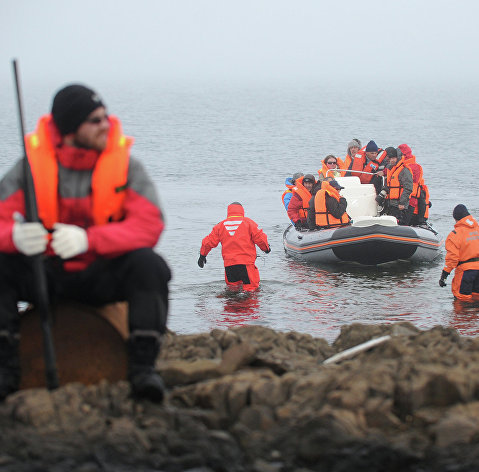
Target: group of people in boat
[397, 178]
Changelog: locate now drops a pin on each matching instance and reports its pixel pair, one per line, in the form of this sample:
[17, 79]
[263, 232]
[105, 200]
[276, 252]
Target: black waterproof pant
[139, 277]
[403, 216]
[469, 282]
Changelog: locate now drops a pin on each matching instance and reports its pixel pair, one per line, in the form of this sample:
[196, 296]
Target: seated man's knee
[146, 269]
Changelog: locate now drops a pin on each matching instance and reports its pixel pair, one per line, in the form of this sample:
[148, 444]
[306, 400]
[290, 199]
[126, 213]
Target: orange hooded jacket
[462, 246]
[238, 235]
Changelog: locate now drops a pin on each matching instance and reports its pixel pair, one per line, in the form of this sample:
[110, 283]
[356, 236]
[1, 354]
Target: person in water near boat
[399, 186]
[327, 208]
[99, 222]
[239, 236]
[298, 205]
[288, 193]
[462, 256]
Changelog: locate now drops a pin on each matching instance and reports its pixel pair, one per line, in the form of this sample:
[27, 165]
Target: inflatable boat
[370, 239]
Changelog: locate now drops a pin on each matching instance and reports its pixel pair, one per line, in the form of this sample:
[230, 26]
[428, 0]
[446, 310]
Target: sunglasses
[330, 163]
[96, 120]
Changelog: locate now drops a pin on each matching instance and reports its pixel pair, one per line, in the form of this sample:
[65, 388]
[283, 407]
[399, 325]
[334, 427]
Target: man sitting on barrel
[99, 220]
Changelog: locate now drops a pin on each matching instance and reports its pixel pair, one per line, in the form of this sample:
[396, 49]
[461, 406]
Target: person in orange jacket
[239, 236]
[462, 246]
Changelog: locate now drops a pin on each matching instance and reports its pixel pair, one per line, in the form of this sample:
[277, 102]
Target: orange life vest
[305, 196]
[359, 163]
[333, 172]
[323, 218]
[339, 172]
[392, 181]
[424, 188]
[109, 178]
[344, 164]
[286, 192]
[416, 186]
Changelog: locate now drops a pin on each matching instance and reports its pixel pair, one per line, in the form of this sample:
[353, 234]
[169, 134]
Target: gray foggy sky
[265, 39]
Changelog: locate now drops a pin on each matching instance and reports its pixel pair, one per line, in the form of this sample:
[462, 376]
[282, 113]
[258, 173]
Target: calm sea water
[208, 144]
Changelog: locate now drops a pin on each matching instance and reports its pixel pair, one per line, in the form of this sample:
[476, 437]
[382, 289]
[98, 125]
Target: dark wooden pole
[41, 302]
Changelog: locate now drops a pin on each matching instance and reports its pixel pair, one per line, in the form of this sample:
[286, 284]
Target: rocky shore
[252, 399]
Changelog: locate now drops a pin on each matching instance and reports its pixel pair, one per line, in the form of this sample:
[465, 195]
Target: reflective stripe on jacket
[238, 235]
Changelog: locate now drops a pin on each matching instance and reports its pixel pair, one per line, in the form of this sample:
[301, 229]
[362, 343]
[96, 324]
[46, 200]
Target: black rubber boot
[9, 365]
[143, 349]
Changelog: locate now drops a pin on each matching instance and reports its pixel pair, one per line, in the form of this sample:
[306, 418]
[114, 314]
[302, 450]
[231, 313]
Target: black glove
[298, 224]
[381, 197]
[201, 260]
[442, 280]
[268, 250]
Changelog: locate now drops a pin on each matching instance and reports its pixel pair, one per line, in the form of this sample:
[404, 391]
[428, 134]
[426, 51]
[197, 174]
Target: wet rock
[252, 399]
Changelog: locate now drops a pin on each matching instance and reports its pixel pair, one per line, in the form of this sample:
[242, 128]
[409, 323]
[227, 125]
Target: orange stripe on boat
[362, 238]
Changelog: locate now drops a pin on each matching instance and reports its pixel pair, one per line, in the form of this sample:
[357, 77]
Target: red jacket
[298, 205]
[139, 227]
[238, 236]
[294, 208]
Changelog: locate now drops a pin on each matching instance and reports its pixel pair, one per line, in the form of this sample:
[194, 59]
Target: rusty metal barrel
[90, 344]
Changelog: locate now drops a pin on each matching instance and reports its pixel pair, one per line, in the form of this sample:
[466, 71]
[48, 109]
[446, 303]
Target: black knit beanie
[459, 212]
[391, 152]
[71, 106]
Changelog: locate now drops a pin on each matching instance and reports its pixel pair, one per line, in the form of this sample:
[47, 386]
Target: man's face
[392, 162]
[308, 185]
[93, 132]
[372, 155]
